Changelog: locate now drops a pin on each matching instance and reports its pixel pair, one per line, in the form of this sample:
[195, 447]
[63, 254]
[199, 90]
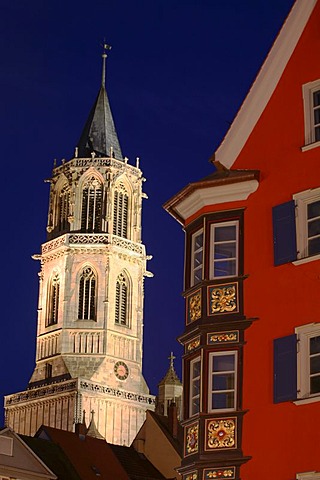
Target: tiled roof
[73, 457]
[136, 464]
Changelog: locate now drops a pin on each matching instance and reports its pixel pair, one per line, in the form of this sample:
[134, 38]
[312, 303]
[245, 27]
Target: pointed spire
[99, 135]
[92, 429]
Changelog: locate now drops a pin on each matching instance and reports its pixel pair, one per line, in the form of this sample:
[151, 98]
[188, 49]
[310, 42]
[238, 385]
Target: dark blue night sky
[176, 76]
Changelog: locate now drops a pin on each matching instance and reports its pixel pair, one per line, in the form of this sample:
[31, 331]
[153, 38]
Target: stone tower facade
[90, 312]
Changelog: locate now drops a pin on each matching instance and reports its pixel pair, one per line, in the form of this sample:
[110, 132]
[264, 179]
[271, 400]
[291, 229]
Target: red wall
[283, 439]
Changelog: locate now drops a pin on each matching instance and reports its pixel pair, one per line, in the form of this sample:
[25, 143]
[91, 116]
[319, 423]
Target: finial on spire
[171, 358]
[105, 47]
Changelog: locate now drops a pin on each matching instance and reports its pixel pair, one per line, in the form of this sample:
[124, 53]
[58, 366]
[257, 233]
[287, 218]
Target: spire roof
[171, 376]
[99, 135]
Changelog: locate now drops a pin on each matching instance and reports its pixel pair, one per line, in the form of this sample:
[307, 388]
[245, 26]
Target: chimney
[173, 419]
[81, 428]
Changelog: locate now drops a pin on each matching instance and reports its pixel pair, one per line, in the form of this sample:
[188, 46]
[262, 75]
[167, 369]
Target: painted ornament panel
[191, 438]
[223, 299]
[221, 433]
[220, 473]
[194, 307]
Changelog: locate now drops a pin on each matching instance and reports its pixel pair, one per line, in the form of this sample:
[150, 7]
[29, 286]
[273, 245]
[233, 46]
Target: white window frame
[304, 333]
[193, 252]
[210, 385]
[308, 476]
[212, 244]
[302, 200]
[309, 127]
[191, 380]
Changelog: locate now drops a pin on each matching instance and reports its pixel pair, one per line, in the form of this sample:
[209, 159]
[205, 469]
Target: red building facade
[252, 275]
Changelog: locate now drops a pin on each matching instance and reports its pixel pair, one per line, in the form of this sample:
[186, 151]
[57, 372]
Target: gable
[16, 456]
[265, 84]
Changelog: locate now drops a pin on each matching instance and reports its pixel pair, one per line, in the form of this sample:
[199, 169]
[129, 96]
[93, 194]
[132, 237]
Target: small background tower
[170, 390]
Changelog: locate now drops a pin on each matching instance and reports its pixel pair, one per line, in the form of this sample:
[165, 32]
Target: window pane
[195, 388]
[225, 250]
[195, 405]
[197, 259]
[222, 234]
[223, 400]
[196, 369]
[225, 268]
[198, 241]
[314, 246]
[314, 210]
[316, 98]
[315, 364]
[314, 345]
[317, 134]
[315, 384]
[317, 116]
[313, 228]
[223, 381]
[223, 363]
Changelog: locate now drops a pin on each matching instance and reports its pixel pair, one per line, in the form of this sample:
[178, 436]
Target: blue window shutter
[284, 233]
[285, 369]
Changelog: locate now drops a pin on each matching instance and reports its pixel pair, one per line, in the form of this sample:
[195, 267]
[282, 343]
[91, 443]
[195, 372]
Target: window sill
[305, 148]
[306, 259]
[304, 401]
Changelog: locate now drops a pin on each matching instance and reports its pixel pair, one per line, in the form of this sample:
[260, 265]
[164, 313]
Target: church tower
[90, 311]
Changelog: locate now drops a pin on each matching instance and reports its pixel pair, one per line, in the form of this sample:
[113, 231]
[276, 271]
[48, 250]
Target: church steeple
[90, 310]
[99, 135]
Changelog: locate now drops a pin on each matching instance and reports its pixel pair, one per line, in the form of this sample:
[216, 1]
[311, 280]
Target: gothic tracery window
[53, 300]
[120, 211]
[63, 208]
[91, 212]
[87, 295]
[122, 297]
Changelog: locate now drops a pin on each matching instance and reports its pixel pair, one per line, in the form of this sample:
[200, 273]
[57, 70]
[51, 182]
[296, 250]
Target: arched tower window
[53, 301]
[87, 295]
[63, 209]
[120, 211]
[91, 212]
[122, 297]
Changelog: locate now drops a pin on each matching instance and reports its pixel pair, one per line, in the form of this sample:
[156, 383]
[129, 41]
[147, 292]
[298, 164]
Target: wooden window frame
[211, 375]
[193, 379]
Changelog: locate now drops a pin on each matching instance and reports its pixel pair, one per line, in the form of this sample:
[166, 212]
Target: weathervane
[105, 48]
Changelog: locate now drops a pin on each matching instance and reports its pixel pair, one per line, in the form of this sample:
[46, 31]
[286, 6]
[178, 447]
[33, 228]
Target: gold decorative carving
[193, 344]
[223, 299]
[223, 337]
[191, 476]
[194, 307]
[221, 433]
[223, 472]
[191, 440]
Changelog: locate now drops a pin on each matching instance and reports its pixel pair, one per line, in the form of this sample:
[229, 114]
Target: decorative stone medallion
[194, 307]
[223, 337]
[220, 433]
[219, 472]
[192, 345]
[223, 299]
[191, 438]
